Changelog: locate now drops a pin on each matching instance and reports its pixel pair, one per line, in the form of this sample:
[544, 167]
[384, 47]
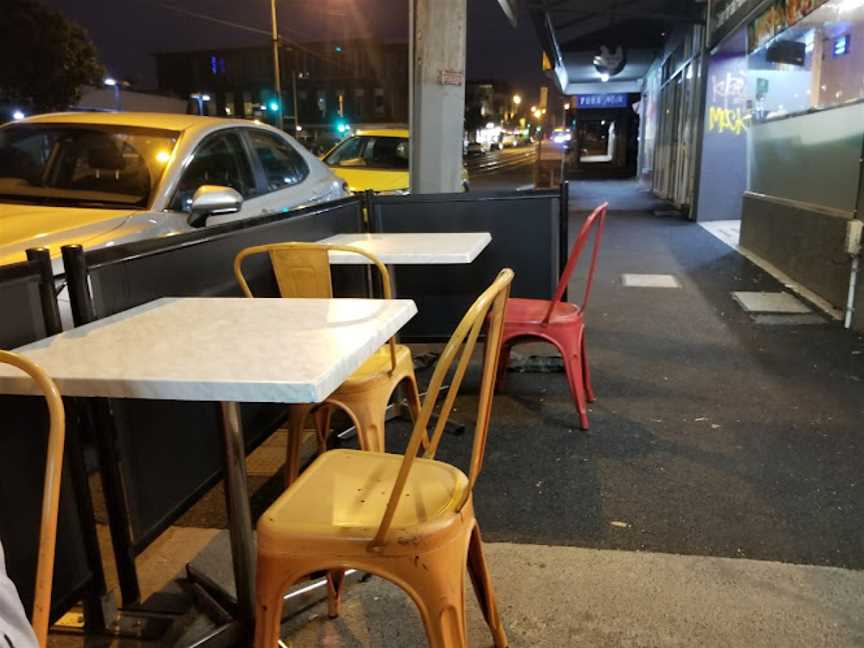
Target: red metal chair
[557, 322]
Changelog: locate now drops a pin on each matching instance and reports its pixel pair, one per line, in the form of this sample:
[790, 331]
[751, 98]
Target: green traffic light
[274, 105]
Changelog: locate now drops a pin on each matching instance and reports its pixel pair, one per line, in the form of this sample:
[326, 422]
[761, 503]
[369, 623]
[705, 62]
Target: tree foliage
[45, 58]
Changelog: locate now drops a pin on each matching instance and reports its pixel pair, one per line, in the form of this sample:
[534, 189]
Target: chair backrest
[302, 270]
[488, 309]
[596, 218]
[50, 493]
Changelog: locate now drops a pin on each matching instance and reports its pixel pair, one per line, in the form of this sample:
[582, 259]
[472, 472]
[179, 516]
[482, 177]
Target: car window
[91, 165]
[219, 160]
[374, 152]
[283, 166]
[350, 149]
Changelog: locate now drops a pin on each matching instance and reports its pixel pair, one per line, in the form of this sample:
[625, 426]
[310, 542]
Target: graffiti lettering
[726, 120]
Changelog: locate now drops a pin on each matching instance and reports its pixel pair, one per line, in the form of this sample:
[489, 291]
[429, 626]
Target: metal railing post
[50, 310]
[564, 231]
[78, 284]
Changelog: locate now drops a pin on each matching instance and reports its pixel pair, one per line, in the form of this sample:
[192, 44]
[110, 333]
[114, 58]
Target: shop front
[784, 135]
[669, 108]
[605, 135]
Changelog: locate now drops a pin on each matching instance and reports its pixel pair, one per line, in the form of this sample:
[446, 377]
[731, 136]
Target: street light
[517, 99]
[200, 99]
[112, 83]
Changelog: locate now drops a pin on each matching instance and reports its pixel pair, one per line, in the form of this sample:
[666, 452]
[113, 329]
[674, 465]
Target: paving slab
[632, 280]
[769, 302]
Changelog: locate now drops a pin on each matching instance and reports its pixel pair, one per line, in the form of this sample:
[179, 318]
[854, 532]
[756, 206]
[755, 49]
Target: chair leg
[271, 582]
[322, 426]
[412, 393]
[295, 426]
[442, 602]
[335, 581]
[368, 412]
[573, 368]
[479, 571]
[586, 373]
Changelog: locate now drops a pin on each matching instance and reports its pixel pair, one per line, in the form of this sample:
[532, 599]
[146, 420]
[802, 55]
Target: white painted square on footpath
[650, 281]
[769, 302]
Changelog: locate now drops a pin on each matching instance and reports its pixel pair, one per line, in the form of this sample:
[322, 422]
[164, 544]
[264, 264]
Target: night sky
[126, 32]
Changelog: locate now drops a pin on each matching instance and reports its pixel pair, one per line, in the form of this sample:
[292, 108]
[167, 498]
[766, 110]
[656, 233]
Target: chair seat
[343, 494]
[378, 364]
[532, 311]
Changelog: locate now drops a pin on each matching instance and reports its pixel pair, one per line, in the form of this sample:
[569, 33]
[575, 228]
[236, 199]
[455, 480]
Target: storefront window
[803, 56]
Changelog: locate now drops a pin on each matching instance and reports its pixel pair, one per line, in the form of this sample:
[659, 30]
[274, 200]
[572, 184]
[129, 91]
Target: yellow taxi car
[376, 160]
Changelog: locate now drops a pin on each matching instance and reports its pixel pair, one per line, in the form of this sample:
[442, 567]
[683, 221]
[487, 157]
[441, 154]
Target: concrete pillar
[438, 32]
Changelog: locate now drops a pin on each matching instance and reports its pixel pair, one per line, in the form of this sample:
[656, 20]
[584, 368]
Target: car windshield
[372, 152]
[82, 165]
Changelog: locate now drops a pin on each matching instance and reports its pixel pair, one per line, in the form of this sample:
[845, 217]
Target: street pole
[277, 80]
[438, 44]
[296, 104]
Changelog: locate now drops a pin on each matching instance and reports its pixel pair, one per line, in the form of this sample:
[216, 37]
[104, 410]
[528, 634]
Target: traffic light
[342, 126]
[273, 105]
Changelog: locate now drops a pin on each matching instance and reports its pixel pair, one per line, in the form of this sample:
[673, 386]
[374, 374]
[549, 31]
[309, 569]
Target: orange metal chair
[50, 493]
[303, 270]
[404, 518]
[560, 323]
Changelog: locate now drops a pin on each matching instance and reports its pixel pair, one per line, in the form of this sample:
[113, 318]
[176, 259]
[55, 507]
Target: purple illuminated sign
[610, 100]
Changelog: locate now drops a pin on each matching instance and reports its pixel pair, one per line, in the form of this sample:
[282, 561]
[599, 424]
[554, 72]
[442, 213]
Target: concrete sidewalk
[555, 597]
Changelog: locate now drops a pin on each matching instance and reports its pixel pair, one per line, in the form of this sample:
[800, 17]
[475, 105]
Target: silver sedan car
[102, 179]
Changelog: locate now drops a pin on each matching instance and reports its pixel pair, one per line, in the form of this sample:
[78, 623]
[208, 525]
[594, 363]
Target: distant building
[493, 99]
[360, 81]
[130, 100]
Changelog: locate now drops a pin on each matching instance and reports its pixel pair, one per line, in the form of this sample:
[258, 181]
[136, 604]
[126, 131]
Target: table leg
[239, 517]
[395, 409]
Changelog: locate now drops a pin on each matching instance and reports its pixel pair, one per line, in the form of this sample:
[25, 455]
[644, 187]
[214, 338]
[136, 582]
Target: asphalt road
[507, 169]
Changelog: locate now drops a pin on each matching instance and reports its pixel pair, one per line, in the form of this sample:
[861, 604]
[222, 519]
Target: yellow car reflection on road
[376, 160]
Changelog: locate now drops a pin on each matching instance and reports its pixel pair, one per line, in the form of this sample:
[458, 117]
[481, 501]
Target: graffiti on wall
[726, 109]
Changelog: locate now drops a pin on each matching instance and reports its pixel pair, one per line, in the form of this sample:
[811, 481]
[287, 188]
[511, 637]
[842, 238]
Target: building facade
[783, 139]
[359, 81]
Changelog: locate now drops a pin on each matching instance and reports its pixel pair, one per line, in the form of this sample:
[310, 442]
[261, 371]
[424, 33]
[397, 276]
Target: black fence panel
[201, 263]
[163, 455]
[23, 448]
[20, 301]
[525, 229]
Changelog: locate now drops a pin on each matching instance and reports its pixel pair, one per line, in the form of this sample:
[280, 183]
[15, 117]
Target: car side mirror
[213, 200]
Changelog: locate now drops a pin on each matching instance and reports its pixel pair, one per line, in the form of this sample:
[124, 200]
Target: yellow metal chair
[404, 518]
[303, 270]
[50, 493]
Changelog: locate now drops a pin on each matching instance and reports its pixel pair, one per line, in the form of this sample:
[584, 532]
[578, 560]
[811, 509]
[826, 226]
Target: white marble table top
[404, 249]
[209, 349]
